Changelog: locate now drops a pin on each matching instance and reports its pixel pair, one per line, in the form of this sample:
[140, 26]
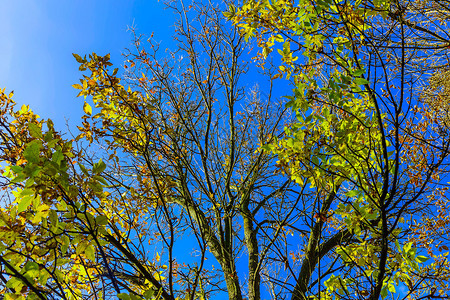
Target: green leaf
[421, 258]
[407, 247]
[90, 252]
[31, 265]
[19, 178]
[384, 292]
[361, 81]
[135, 297]
[267, 147]
[123, 296]
[26, 192]
[358, 73]
[83, 169]
[149, 294]
[35, 130]
[57, 157]
[352, 193]
[15, 283]
[99, 167]
[31, 152]
[16, 169]
[397, 244]
[53, 216]
[101, 220]
[24, 203]
[65, 243]
[81, 247]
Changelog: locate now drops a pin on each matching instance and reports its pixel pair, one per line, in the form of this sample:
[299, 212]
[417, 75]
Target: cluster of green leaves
[54, 234]
[45, 231]
[341, 142]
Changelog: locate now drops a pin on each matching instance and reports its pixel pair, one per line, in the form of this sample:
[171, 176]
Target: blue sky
[38, 38]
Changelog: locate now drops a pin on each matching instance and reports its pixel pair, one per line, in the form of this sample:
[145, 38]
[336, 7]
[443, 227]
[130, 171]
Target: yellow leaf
[158, 276]
[24, 108]
[87, 108]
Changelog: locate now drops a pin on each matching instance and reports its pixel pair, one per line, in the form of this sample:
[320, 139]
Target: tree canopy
[227, 169]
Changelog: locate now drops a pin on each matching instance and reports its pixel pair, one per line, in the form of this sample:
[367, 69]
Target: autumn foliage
[300, 149]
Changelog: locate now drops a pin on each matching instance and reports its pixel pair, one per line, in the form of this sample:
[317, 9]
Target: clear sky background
[38, 37]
